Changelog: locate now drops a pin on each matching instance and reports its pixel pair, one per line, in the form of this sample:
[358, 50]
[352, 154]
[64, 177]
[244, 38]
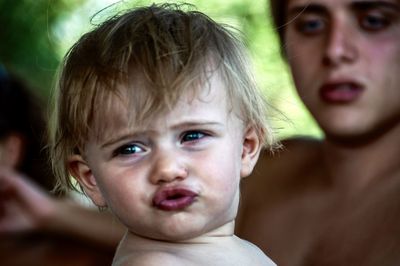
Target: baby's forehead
[139, 91]
[131, 104]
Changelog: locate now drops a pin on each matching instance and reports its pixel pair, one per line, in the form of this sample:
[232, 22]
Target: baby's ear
[81, 171]
[251, 151]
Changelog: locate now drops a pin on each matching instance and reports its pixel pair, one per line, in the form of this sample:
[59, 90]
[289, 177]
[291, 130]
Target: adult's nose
[341, 44]
[168, 167]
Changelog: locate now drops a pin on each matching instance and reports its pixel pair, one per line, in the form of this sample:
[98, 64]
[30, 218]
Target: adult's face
[345, 60]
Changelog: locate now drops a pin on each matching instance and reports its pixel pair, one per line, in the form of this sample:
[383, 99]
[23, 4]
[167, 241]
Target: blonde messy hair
[164, 48]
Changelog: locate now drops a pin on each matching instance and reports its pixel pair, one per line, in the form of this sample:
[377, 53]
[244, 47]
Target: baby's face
[175, 178]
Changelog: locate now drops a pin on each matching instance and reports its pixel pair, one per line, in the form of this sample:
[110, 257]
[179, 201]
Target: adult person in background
[37, 228]
[334, 201]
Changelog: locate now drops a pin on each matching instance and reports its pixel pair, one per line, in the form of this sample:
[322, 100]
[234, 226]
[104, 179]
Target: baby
[158, 119]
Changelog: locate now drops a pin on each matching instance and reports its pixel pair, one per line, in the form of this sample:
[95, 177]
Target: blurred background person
[37, 228]
[334, 201]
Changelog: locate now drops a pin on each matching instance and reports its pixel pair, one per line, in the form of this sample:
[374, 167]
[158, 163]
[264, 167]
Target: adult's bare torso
[292, 210]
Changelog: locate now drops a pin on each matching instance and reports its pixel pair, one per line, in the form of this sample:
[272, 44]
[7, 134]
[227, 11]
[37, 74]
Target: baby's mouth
[173, 199]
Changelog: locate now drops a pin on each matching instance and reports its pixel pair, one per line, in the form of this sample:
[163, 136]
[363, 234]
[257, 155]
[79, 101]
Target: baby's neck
[219, 247]
[221, 233]
[193, 249]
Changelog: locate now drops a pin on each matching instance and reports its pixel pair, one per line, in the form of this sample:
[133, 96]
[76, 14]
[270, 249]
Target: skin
[299, 205]
[37, 228]
[130, 168]
[25, 207]
[11, 148]
[345, 43]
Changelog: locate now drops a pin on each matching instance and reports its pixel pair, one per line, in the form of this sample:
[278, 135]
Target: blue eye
[310, 26]
[129, 149]
[192, 136]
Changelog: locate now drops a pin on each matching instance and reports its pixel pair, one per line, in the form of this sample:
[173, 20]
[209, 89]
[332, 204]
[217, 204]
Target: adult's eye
[374, 22]
[192, 136]
[310, 26]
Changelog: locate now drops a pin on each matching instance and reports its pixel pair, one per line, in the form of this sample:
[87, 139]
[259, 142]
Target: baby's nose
[167, 168]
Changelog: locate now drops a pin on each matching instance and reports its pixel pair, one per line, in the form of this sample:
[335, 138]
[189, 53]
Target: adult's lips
[173, 199]
[341, 92]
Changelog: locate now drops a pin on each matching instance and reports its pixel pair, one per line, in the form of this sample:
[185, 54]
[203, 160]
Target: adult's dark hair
[22, 113]
[278, 13]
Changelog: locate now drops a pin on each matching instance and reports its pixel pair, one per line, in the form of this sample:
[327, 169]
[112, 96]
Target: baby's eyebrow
[196, 124]
[122, 137]
[128, 135]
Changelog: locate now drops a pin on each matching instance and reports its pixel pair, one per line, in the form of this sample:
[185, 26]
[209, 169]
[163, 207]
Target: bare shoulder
[275, 199]
[283, 170]
[150, 258]
[254, 256]
[232, 253]
[294, 152]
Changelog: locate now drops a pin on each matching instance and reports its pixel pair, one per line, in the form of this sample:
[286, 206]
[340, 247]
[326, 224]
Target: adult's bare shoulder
[280, 176]
[274, 202]
[290, 167]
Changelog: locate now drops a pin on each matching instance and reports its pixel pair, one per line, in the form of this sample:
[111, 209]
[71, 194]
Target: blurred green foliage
[36, 34]
[26, 46]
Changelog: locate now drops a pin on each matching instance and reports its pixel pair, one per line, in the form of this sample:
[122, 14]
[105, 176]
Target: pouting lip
[340, 91]
[170, 199]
